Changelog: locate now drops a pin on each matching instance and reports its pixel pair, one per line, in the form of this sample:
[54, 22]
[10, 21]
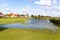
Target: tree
[38, 16]
[32, 16]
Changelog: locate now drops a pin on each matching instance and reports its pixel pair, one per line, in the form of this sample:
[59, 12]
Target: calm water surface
[32, 23]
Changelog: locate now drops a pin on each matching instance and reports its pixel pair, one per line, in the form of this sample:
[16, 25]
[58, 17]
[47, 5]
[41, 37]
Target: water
[32, 23]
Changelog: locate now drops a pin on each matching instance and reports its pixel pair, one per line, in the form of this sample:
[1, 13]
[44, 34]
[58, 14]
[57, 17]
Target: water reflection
[33, 23]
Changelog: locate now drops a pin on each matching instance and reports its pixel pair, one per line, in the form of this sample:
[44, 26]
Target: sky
[35, 7]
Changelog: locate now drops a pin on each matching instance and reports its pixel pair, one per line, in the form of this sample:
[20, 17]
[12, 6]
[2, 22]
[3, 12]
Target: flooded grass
[29, 34]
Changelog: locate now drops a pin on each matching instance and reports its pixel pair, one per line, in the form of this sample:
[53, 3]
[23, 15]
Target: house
[1, 15]
[10, 14]
[13, 15]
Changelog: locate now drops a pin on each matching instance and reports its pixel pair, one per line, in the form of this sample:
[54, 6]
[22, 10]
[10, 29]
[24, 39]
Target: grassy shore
[12, 20]
[29, 34]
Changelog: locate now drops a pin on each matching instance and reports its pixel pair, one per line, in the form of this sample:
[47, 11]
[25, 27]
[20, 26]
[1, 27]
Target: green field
[29, 34]
[12, 20]
[26, 34]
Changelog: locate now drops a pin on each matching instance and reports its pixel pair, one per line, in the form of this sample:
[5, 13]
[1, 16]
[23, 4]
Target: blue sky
[42, 7]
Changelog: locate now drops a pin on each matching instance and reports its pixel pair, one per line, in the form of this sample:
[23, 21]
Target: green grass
[56, 18]
[29, 34]
[12, 20]
[26, 34]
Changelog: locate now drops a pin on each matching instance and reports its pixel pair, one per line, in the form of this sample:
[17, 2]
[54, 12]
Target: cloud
[15, 9]
[54, 10]
[48, 4]
[8, 9]
[25, 10]
[43, 2]
[52, 7]
[57, 7]
[5, 5]
[54, 1]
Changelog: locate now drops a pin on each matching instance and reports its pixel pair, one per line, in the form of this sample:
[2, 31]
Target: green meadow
[12, 20]
[25, 33]
[29, 34]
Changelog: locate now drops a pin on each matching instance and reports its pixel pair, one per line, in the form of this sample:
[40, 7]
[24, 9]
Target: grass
[29, 34]
[12, 20]
[26, 34]
[56, 18]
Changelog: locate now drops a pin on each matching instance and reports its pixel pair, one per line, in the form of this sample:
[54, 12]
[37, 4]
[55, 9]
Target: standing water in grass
[33, 23]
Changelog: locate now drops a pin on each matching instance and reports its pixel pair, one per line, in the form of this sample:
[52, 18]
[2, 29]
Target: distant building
[10, 14]
[13, 15]
[1, 15]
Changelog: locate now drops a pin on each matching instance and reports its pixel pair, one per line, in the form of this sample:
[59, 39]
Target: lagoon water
[32, 23]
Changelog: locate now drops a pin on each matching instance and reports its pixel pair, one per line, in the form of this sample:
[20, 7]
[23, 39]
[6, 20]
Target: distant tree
[38, 16]
[35, 17]
[32, 16]
[7, 14]
[42, 16]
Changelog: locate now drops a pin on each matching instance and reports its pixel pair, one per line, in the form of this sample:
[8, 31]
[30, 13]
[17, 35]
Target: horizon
[31, 7]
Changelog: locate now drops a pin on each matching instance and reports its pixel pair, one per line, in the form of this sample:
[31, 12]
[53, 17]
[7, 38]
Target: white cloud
[53, 7]
[15, 9]
[57, 8]
[26, 9]
[54, 1]
[5, 5]
[43, 2]
[48, 4]
[7, 8]
[54, 10]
